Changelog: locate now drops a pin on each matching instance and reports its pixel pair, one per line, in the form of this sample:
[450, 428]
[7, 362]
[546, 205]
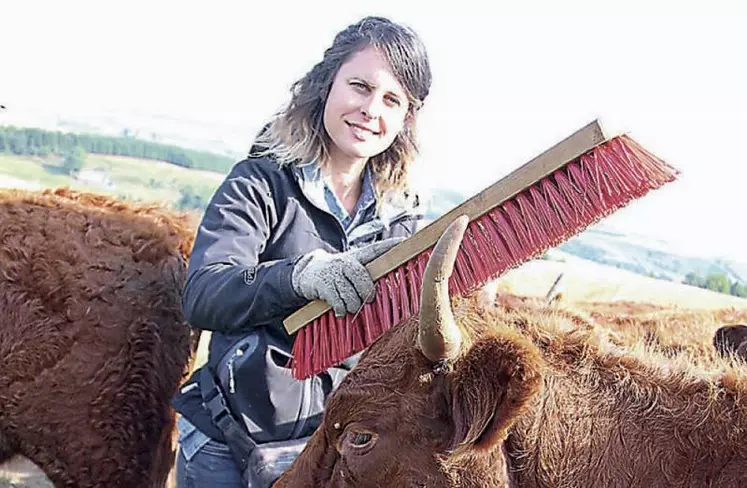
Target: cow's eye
[361, 439]
[357, 441]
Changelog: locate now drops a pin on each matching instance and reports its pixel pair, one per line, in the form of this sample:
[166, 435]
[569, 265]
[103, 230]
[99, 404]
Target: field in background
[132, 178]
[587, 281]
[19, 472]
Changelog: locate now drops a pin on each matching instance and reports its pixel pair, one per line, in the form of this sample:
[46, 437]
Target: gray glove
[340, 279]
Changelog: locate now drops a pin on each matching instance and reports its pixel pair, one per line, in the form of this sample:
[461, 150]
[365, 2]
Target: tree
[74, 160]
[718, 282]
[190, 199]
[17, 143]
[738, 289]
[694, 280]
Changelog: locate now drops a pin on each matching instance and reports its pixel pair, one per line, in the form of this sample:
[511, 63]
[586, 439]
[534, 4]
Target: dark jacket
[257, 225]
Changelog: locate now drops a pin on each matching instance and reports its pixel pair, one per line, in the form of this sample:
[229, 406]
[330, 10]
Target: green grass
[31, 169]
[134, 179]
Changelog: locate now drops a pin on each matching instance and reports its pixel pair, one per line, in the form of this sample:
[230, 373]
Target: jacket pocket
[260, 390]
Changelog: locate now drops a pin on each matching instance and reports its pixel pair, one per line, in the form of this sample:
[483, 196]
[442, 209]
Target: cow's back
[92, 339]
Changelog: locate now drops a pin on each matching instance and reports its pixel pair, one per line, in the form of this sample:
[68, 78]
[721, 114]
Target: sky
[510, 80]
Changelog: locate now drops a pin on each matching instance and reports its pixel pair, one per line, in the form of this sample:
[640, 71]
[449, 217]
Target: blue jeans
[202, 461]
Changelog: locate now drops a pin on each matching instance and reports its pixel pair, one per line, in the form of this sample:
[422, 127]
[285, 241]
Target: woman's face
[366, 107]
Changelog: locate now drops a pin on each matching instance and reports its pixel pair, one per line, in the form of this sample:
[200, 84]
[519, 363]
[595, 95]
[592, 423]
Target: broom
[572, 185]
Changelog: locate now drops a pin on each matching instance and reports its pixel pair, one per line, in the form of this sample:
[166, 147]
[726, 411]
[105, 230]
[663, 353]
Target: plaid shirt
[322, 195]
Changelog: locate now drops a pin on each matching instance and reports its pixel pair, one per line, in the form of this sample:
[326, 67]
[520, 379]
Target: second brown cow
[93, 342]
[474, 397]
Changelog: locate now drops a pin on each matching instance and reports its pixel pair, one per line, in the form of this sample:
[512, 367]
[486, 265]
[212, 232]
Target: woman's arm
[227, 289]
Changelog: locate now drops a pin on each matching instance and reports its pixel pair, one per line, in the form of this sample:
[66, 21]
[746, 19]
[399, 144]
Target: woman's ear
[491, 387]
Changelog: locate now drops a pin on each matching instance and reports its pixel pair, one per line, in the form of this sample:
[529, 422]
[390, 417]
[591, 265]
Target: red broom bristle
[517, 230]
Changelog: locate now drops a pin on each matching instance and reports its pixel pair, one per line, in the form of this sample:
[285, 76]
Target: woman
[323, 191]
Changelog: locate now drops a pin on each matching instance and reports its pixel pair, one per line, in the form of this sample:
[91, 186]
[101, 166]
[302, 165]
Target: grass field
[587, 281]
[133, 179]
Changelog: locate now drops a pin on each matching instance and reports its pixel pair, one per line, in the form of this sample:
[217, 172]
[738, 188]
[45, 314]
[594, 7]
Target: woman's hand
[340, 279]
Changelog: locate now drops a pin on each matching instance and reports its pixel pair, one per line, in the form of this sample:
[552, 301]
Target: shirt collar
[393, 206]
[309, 176]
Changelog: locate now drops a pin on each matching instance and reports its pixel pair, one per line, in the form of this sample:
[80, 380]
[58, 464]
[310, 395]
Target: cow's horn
[438, 336]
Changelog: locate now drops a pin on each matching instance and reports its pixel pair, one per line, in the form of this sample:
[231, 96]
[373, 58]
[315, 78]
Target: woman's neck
[346, 180]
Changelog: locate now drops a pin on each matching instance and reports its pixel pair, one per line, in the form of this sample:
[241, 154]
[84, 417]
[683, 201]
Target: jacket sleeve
[227, 288]
[406, 228]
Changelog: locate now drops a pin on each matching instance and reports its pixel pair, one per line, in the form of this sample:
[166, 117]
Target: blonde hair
[297, 135]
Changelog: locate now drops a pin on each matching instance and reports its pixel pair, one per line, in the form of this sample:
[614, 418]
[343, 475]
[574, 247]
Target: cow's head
[430, 402]
[731, 339]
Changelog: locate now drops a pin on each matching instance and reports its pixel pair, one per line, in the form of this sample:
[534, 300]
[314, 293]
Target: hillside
[605, 245]
[148, 180]
[124, 177]
[588, 281]
[647, 256]
[220, 138]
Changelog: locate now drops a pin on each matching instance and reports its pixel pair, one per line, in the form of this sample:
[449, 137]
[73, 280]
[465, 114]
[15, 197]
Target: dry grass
[638, 327]
[586, 281]
[642, 315]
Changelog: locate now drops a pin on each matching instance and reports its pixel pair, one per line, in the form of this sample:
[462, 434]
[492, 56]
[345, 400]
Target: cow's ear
[491, 386]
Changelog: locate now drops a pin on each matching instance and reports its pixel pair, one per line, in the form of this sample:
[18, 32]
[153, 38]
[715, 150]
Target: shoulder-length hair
[297, 135]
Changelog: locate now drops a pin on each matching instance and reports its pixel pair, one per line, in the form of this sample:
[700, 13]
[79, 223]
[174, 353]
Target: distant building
[94, 177]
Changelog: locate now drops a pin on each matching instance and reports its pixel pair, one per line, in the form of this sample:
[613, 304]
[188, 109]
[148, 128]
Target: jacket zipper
[231, 373]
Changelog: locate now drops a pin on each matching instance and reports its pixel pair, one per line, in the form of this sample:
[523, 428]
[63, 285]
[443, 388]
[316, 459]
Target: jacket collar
[394, 206]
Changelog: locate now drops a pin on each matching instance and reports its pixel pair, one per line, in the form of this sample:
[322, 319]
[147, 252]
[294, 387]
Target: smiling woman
[365, 111]
[323, 192]
[359, 103]
[366, 108]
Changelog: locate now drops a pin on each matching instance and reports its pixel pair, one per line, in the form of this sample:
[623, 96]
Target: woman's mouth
[360, 132]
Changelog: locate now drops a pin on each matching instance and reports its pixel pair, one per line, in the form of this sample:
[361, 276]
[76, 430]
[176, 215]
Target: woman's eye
[393, 101]
[361, 439]
[358, 85]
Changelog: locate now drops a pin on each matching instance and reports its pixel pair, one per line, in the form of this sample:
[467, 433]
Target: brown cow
[92, 339]
[474, 397]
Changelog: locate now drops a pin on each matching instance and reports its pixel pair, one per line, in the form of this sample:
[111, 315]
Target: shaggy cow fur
[535, 400]
[92, 340]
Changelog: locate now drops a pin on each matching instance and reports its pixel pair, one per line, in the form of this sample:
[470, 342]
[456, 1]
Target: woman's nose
[371, 107]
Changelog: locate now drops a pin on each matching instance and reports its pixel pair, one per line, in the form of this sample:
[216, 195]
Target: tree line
[717, 282]
[42, 143]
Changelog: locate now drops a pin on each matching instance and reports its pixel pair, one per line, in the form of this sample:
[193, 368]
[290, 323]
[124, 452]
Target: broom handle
[525, 176]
